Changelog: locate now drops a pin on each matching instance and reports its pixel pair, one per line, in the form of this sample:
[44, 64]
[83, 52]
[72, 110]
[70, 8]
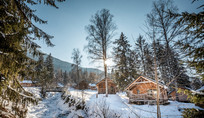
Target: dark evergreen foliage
[192, 44]
[159, 22]
[76, 56]
[17, 35]
[193, 113]
[140, 46]
[122, 60]
[49, 81]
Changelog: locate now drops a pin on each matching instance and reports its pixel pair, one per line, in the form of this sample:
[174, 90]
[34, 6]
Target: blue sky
[67, 24]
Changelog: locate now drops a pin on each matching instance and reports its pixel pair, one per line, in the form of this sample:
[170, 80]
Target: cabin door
[112, 90]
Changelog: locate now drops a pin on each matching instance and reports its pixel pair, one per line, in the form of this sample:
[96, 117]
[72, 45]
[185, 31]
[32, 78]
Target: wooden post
[176, 89]
[158, 91]
[106, 81]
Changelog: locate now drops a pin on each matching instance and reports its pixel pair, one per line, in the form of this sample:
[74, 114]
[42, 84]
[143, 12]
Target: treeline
[172, 42]
[47, 77]
[163, 36]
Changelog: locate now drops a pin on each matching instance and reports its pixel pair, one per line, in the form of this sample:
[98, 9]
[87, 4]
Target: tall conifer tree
[17, 35]
[50, 71]
[121, 57]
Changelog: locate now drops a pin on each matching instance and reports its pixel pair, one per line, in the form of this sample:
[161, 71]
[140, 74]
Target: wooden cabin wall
[111, 88]
[181, 96]
[144, 87]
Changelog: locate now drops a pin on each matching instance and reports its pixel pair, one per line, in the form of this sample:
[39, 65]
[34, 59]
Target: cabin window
[152, 92]
[138, 91]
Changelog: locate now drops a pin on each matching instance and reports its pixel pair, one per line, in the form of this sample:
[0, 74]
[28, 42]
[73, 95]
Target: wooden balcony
[141, 97]
[145, 99]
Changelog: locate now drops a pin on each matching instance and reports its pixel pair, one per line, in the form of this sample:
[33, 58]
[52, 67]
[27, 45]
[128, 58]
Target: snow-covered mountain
[65, 66]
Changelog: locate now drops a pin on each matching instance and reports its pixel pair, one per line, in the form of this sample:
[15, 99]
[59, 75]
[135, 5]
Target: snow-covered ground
[118, 103]
[53, 106]
[113, 102]
[172, 110]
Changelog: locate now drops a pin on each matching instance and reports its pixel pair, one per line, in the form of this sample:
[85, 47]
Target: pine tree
[140, 44]
[192, 43]
[59, 76]
[50, 72]
[65, 78]
[76, 56]
[149, 64]
[39, 71]
[164, 26]
[17, 35]
[134, 65]
[93, 77]
[85, 77]
[121, 55]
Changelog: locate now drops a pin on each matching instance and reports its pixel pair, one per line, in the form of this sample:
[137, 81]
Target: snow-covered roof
[200, 89]
[26, 81]
[92, 84]
[109, 80]
[60, 85]
[161, 84]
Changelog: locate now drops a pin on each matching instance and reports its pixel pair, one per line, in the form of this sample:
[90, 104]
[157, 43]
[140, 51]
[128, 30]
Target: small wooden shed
[181, 96]
[82, 85]
[102, 88]
[27, 83]
[92, 86]
[143, 90]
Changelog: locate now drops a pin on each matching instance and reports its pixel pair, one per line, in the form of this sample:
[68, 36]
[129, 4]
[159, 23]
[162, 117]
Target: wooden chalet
[101, 87]
[144, 91]
[82, 85]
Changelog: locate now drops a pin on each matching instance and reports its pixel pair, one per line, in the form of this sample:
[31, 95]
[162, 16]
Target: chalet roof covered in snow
[92, 84]
[201, 89]
[146, 78]
[26, 81]
[109, 80]
[60, 85]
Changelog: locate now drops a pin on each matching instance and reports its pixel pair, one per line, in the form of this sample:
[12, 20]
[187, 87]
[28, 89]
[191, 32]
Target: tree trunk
[106, 81]
[158, 91]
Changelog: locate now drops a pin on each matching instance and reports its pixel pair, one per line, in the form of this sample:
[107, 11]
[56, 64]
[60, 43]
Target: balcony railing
[149, 98]
[142, 97]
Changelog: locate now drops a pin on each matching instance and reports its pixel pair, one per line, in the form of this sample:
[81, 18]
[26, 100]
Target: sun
[108, 62]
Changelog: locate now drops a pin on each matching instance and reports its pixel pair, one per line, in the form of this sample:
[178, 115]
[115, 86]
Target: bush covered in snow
[101, 110]
[76, 106]
[193, 113]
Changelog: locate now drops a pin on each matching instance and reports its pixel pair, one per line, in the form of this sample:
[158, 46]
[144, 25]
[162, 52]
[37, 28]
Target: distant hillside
[66, 66]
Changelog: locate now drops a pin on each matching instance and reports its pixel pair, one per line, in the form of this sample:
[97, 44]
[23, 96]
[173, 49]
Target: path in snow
[50, 107]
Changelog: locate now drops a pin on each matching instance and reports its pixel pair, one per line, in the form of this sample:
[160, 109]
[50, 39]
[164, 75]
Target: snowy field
[172, 110]
[53, 107]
